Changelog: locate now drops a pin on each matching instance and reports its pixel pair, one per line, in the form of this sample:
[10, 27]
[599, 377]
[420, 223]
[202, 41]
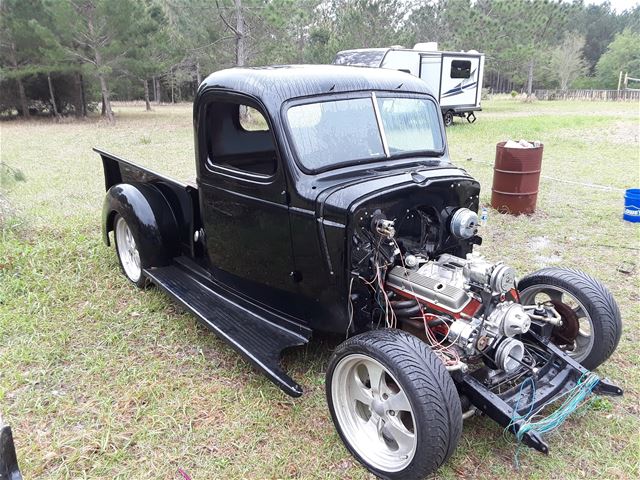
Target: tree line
[70, 57]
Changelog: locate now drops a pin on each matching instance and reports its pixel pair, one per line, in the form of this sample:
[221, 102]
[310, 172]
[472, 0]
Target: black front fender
[149, 216]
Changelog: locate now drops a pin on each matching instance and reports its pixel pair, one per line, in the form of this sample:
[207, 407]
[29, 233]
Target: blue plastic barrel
[632, 205]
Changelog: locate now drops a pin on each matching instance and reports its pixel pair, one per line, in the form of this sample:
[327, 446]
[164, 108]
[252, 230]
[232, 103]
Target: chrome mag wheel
[393, 403]
[127, 250]
[374, 413]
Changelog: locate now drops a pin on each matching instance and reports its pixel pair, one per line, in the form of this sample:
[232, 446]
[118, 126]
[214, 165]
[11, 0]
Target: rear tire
[592, 324]
[128, 253]
[393, 404]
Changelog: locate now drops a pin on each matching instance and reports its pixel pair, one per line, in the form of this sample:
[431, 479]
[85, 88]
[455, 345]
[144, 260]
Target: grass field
[102, 381]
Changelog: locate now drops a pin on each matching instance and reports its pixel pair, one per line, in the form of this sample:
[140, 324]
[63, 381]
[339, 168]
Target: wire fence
[589, 94]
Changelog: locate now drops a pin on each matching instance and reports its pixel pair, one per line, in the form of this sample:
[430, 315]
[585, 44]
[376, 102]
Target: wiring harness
[532, 420]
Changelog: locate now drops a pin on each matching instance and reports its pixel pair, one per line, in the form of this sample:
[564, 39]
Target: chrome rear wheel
[127, 250]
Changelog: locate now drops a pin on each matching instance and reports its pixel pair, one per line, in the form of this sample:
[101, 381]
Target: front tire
[394, 404]
[128, 253]
[591, 326]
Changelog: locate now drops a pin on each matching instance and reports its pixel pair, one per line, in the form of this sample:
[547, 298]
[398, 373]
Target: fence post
[619, 80]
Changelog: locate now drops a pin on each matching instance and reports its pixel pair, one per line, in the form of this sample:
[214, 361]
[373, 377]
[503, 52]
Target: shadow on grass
[312, 358]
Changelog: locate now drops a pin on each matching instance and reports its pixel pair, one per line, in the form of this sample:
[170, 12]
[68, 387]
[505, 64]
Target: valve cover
[430, 289]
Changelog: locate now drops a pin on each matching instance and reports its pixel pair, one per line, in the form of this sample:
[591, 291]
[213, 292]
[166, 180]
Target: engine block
[448, 285]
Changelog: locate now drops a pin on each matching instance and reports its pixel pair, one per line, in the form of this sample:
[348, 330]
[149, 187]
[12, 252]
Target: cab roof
[274, 85]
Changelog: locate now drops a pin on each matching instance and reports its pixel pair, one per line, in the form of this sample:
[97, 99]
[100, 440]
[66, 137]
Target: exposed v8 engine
[454, 290]
[511, 346]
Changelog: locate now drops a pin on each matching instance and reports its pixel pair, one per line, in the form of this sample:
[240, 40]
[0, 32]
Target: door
[430, 72]
[243, 197]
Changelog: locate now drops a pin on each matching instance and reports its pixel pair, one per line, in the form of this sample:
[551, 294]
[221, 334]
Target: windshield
[327, 134]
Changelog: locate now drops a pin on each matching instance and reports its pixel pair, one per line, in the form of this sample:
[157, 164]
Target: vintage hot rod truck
[325, 200]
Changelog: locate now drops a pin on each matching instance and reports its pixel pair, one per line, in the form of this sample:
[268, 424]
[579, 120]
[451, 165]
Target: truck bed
[118, 170]
[260, 335]
[182, 196]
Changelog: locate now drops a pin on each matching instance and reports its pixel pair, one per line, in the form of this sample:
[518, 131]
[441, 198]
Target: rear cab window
[239, 139]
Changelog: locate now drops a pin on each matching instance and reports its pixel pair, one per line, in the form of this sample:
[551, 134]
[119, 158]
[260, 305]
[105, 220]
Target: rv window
[460, 69]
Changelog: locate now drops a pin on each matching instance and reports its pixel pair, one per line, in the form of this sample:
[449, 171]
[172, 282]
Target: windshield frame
[373, 95]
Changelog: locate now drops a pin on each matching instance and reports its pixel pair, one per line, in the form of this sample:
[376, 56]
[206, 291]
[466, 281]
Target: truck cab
[288, 160]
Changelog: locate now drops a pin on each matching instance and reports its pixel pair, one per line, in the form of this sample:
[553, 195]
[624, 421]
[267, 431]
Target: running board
[257, 334]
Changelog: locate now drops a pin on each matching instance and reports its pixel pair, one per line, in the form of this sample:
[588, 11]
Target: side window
[460, 69]
[239, 139]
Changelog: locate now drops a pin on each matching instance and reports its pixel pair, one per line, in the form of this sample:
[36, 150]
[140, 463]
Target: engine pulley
[509, 354]
[464, 223]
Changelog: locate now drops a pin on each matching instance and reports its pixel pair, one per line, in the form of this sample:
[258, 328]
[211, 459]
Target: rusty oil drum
[516, 178]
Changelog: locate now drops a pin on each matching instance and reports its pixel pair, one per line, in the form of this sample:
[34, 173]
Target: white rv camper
[454, 77]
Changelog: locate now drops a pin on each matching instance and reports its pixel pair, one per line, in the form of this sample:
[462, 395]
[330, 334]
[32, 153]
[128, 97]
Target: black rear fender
[150, 217]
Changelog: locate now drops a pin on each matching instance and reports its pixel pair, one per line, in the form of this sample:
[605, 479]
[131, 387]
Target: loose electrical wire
[533, 421]
[516, 416]
[574, 398]
[448, 355]
[350, 309]
[390, 319]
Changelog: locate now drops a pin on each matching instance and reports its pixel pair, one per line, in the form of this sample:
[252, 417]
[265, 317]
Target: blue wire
[575, 396]
[516, 416]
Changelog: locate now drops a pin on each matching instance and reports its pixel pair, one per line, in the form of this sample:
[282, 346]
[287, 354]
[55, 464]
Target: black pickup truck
[325, 200]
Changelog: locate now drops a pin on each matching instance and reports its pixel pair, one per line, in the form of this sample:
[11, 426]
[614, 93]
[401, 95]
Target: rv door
[430, 65]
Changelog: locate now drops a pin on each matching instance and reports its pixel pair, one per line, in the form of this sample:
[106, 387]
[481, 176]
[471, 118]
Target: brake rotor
[566, 333]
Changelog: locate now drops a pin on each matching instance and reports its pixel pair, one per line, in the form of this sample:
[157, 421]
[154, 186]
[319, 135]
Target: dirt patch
[622, 132]
[537, 244]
